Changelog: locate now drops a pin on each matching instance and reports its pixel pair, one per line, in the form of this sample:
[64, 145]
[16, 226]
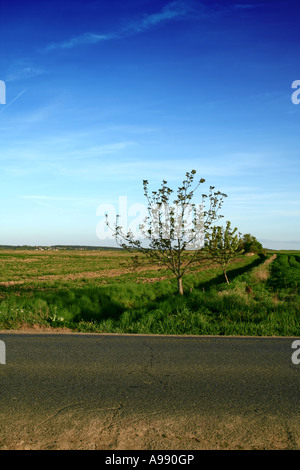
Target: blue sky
[103, 94]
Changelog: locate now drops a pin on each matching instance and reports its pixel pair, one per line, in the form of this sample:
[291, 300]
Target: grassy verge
[254, 303]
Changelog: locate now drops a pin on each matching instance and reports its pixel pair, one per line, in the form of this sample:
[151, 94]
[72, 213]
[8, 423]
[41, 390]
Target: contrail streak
[13, 100]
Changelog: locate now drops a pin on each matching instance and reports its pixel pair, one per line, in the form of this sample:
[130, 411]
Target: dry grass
[261, 273]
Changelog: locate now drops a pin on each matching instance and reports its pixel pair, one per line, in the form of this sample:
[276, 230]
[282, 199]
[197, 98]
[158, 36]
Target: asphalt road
[80, 391]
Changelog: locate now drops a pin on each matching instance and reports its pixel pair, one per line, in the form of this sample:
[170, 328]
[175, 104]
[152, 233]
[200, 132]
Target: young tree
[173, 234]
[223, 245]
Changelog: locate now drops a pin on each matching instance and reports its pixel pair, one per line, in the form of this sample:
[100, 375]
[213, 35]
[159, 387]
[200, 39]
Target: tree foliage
[250, 244]
[223, 245]
[173, 232]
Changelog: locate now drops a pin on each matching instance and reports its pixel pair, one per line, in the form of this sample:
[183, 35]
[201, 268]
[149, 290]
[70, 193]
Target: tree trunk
[180, 288]
[226, 277]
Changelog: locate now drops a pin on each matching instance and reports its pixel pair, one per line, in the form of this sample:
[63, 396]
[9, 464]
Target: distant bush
[251, 245]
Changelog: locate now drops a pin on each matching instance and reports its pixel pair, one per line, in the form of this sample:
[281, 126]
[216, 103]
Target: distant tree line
[58, 247]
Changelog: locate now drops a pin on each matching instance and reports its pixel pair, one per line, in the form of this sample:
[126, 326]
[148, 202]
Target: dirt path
[105, 273]
[261, 273]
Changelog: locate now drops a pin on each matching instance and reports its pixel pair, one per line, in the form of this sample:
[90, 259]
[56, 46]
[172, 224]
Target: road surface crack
[60, 410]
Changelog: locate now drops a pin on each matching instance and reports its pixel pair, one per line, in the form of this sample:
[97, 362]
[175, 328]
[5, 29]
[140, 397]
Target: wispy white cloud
[59, 203]
[90, 153]
[85, 38]
[247, 6]
[131, 129]
[23, 72]
[34, 116]
[84, 161]
[171, 11]
[59, 198]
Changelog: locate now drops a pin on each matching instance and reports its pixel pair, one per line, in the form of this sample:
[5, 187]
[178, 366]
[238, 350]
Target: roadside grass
[135, 302]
